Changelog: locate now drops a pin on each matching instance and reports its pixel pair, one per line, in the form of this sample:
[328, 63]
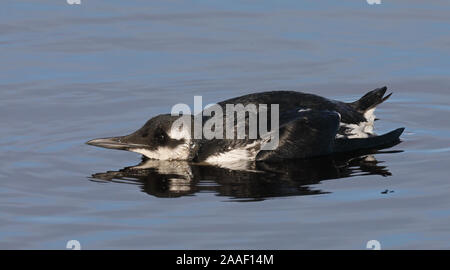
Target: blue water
[70, 73]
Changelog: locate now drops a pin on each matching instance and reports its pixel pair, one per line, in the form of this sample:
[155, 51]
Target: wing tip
[398, 131]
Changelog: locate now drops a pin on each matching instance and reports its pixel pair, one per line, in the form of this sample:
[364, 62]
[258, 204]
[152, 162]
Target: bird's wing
[343, 145]
[304, 133]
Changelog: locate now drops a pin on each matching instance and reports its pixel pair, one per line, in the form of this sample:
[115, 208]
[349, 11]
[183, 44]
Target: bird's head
[164, 137]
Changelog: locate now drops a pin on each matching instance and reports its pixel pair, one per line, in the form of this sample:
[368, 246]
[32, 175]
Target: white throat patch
[180, 152]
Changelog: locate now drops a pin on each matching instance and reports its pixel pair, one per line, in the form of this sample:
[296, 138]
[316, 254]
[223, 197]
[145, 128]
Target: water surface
[70, 73]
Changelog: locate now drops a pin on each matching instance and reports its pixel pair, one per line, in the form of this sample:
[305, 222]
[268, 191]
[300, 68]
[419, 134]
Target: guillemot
[309, 126]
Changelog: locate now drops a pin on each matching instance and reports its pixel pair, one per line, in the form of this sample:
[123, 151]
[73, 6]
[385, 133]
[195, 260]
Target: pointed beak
[112, 143]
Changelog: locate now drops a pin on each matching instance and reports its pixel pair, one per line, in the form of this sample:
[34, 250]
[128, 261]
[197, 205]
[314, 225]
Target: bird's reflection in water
[257, 181]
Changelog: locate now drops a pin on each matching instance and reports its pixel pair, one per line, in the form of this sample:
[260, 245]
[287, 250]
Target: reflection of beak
[114, 143]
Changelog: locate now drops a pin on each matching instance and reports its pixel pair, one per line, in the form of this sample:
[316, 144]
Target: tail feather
[371, 100]
[375, 142]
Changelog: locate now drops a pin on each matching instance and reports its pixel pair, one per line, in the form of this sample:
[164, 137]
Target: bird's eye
[160, 136]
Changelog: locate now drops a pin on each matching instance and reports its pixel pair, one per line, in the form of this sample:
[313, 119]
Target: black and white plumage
[309, 126]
